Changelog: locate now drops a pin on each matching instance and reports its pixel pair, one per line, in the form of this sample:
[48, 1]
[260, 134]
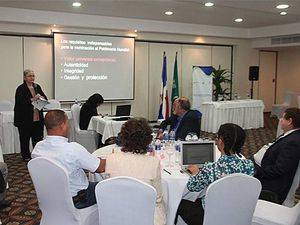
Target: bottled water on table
[151, 147]
[166, 136]
[172, 135]
[157, 145]
[178, 149]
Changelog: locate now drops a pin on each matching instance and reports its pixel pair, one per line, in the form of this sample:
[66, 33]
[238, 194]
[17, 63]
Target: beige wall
[288, 73]
[36, 52]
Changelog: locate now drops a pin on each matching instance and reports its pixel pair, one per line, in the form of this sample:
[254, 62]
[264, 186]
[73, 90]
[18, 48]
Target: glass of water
[170, 150]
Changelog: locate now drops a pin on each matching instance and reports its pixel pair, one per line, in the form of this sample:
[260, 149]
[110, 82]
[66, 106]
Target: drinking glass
[170, 150]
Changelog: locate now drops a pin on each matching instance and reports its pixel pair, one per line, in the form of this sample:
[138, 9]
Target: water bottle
[178, 149]
[166, 136]
[157, 148]
[157, 145]
[172, 136]
[151, 149]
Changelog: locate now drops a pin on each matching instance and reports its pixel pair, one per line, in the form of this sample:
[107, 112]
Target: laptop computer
[122, 113]
[197, 153]
[123, 110]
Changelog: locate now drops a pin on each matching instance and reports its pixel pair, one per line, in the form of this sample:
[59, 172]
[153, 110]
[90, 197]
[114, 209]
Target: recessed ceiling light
[209, 4]
[282, 6]
[283, 13]
[238, 20]
[169, 13]
[76, 4]
[135, 31]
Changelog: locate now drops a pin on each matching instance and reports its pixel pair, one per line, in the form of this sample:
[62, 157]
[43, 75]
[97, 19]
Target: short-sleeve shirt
[72, 156]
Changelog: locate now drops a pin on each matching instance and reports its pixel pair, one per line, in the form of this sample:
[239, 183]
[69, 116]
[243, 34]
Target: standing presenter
[28, 120]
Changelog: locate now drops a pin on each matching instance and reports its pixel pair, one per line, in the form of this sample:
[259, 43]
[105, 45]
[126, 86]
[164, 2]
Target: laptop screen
[123, 110]
[197, 153]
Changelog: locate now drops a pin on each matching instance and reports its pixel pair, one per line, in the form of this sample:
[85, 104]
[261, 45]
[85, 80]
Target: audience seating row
[125, 200]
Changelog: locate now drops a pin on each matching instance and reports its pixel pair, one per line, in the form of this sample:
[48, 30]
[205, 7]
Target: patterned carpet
[24, 207]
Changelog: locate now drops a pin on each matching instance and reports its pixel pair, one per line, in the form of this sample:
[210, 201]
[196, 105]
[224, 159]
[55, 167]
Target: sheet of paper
[40, 103]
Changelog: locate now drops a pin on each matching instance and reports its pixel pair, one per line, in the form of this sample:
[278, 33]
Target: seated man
[183, 121]
[279, 163]
[3, 185]
[72, 156]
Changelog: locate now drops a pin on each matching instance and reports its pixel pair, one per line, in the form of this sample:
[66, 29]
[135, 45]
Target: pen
[167, 171]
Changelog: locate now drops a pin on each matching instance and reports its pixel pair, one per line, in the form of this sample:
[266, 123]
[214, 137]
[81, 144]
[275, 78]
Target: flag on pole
[164, 98]
[175, 87]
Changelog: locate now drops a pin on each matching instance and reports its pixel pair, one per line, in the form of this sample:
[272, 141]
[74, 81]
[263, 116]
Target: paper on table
[39, 103]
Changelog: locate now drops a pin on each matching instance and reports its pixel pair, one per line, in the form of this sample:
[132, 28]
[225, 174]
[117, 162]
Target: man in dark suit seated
[183, 120]
[278, 166]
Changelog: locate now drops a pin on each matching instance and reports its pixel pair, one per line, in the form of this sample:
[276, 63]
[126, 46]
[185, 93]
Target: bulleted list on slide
[87, 64]
[81, 56]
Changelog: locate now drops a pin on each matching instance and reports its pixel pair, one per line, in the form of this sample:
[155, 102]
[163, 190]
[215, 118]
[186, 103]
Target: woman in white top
[132, 161]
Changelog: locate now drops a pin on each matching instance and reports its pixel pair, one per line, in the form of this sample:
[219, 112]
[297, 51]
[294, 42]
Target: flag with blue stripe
[164, 98]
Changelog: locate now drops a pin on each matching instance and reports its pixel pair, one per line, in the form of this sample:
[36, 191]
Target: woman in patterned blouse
[230, 140]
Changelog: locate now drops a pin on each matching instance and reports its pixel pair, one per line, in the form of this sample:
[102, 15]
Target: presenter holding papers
[28, 115]
[40, 103]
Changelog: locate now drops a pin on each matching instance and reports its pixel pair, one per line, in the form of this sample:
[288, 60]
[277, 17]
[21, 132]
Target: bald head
[56, 122]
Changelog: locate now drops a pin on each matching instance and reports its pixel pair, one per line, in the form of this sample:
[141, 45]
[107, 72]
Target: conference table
[173, 180]
[106, 126]
[9, 134]
[247, 113]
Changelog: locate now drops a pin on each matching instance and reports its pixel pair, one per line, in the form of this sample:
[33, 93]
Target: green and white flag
[175, 87]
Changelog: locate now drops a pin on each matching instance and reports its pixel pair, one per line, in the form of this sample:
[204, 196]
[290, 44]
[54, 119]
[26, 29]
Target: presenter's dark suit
[279, 165]
[190, 122]
[23, 118]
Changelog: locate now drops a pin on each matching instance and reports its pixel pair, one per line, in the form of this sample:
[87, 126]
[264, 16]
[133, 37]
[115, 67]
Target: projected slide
[86, 64]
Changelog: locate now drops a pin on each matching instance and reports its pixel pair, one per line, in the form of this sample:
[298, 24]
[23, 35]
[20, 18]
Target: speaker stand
[251, 90]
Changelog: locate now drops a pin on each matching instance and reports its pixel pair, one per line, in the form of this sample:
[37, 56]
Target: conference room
[235, 61]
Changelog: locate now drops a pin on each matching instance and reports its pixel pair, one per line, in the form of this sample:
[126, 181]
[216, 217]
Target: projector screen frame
[100, 35]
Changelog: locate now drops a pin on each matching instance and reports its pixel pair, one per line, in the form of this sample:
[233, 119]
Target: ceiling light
[135, 31]
[283, 13]
[54, 25]
[169, 13]
[238, 20]
[76, 4]
[209, 4]
[282, 6]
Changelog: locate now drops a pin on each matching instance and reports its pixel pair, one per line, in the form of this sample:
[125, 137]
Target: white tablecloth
[9, 134]
[1, 154]
[173, 185]
[246, 113]
[106, 126]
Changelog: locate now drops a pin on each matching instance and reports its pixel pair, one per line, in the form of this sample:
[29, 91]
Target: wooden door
[267, 78]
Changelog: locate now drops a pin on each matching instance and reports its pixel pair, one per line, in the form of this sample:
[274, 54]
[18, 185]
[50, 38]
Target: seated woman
[89, 109]
[132, 161]
[230, 140]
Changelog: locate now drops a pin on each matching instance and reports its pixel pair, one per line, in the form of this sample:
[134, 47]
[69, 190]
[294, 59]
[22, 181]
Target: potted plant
[220, 78]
